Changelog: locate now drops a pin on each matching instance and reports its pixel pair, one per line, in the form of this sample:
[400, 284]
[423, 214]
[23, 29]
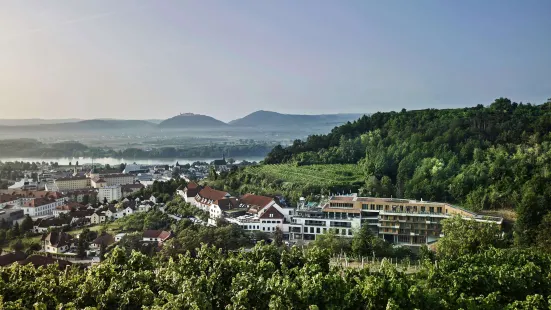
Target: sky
[154, 59]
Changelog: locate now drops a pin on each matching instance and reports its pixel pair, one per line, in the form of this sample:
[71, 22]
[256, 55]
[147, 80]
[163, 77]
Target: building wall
[111, 193]
[122, 180]
[64, 185]
[47, 209]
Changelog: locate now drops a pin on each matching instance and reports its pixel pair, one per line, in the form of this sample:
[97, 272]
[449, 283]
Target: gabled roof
[212, 194]
[105, 239]
[56, 222]
[227, 203]
[272, 211]
[57, 239]
[255, 201]
[81, 213]
[192, 189]
[161, 234]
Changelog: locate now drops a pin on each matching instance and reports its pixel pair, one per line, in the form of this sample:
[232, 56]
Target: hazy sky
[227, 58]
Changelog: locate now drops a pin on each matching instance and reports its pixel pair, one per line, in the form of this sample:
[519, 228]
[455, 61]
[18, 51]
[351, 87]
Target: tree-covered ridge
[480, 158]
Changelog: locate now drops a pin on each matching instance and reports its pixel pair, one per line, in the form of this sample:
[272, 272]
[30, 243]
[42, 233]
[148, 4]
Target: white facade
[110, 193]
[118, 179]
[97, 218]
[41, 210]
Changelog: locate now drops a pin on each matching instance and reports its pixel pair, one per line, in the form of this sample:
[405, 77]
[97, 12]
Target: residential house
[112, 213]
[45, 224]
[263, 214]
[145, 206]
[129, 189]
[105, 239]
[206, 196]
[153, 199]
[159, 236]
[219, 209]
[66, 208]
[98, 217]
[189, 192]
[56, 242]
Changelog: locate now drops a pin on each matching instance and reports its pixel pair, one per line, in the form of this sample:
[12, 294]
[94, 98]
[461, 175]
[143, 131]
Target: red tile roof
[256, 200]
[57, 239]
[10, 258]
[227, 203]
[211, 194]
[161, 234]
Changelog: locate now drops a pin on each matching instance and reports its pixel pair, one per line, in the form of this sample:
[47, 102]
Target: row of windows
[402, 208]
[341, 205]
[271, 222]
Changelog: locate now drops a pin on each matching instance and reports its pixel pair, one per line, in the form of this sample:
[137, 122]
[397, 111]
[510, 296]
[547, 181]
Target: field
[321, 175]
[297, 181]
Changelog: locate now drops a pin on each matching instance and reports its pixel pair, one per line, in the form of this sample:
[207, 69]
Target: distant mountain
[274, 119]
[88, 125]
[35, 121]
[190, 120]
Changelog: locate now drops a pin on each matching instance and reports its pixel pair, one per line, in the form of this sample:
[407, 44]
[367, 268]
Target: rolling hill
[273, 119]
[190, 120]
[93, 124]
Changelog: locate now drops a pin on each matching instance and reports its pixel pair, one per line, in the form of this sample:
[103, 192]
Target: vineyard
[296, 181]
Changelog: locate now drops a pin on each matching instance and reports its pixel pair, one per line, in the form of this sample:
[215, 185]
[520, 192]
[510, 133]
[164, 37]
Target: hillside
[481, 158]
[190, 120]
[35, 121]
[85, 125]
[268, 119]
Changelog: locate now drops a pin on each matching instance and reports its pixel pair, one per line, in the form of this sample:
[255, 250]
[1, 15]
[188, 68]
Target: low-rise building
[206, 196]
[98, 217]
[129, 189]
[56, 242]
[41, 206]
[399, 221]
[189, 192]
[44, 224]
[104, 239]
[159, 236]
[11, 215]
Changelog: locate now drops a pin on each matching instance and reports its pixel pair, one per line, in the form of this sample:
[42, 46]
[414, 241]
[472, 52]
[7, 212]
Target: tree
[102, 250]
[462, 237]
[278, 237]
[332, 242]
[543, 239]
[81, 246]
[15, 230]
[76, 164]
[122, 166]
[17, 245]
[362, 241]
[86, 199]
[105, 200]
[70, 164]
[27, 224]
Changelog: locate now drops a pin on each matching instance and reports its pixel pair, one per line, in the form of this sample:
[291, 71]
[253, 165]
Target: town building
[104, 239]
[206, 196]
[11, 215]
[44, 224]
[110, 193]
[41, 206]
[117, 179]
[159, 236]
[56, 242]
[72, 183]
[263, 214]
[98, 217]
[129, 189]
[189, 192]
[399, 221]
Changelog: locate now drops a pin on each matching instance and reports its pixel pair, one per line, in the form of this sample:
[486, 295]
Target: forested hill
[491, 157]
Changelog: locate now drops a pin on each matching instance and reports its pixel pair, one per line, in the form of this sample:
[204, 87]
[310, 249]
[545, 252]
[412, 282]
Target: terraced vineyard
[296, 181]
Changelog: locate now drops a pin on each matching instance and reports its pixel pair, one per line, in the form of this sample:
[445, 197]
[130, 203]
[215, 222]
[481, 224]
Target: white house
[98, 218]
[189, 192]
[219, 207]
[153, 199]
[41, 206]
[105, 239]
[145, 206]
[56, 242]
[206, 196]
[158, 236]
[263, 214]
[119, 236]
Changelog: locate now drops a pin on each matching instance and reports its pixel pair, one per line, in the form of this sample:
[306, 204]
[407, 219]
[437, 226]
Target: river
[117, 161]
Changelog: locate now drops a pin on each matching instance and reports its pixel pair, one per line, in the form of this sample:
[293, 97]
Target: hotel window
[318, 230]
[422, 209]
[439, 209]
[431, 209]
[372, 207]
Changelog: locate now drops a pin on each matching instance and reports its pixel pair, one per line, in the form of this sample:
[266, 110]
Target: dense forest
[482, 158]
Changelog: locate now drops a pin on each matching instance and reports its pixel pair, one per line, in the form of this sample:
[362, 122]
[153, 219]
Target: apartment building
[110, 193]
[118, 179]
[41, 206]
[72, 183]
[400, 221]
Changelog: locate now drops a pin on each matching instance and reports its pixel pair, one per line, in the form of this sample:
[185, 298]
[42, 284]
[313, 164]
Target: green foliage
[154, 219]
[27, 224]
[464, 236]
[544, 234]
[270, 278]
[293, 181]
[362, 242]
